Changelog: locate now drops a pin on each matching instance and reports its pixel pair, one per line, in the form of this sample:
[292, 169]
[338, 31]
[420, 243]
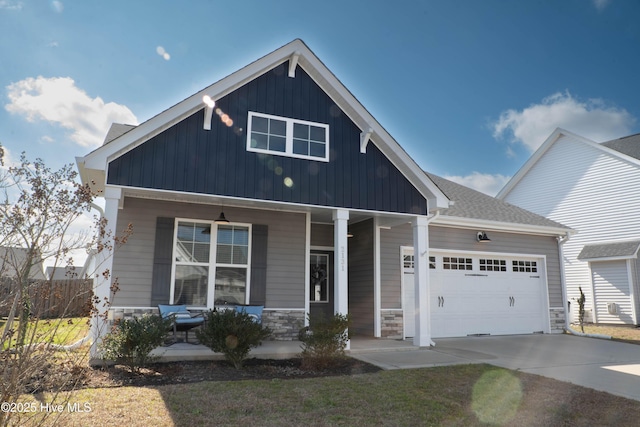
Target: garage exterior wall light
[482, 237]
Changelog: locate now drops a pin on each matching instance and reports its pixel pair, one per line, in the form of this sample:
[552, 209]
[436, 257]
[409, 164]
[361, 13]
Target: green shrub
[324, 341]
[130, 342]
[232, 333]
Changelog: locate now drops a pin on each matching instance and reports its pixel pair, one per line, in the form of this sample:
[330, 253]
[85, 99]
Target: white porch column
[422, 336]
[341, 272]
[104, 263]
[340, 267]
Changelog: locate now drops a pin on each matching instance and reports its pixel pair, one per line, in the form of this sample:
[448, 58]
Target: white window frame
[212, 264]
[288, 152]
[223, 265]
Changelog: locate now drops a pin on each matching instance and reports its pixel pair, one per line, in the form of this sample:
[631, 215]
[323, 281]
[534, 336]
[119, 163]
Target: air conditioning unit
[612, 308]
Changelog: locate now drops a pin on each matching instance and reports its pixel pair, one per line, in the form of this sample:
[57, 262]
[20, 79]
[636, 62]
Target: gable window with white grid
[287, 137]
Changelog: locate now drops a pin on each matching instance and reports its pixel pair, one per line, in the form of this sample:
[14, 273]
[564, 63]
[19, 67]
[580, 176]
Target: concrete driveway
[603, 365]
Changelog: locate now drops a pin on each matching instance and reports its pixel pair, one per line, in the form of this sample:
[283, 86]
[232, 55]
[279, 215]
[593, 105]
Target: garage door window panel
[525, 266]
[457, 263]
[493, 265]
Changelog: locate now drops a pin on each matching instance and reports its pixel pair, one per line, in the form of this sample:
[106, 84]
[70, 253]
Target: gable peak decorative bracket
[293, 63]
[208, 111]
[364, 140]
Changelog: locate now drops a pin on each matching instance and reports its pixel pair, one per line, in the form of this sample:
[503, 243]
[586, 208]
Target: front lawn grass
[463, 395]
[63, 331]
[625, 333]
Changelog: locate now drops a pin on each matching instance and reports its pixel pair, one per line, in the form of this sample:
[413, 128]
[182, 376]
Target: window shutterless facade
[204, 254]
[287, 137]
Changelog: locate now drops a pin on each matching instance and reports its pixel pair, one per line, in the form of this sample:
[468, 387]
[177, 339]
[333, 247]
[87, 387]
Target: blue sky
[469, 88]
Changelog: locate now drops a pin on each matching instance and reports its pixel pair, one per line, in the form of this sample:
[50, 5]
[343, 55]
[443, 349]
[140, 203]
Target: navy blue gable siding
[185, 157]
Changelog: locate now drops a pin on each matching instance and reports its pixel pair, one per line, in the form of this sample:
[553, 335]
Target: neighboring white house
[14, 258]
[594, 189]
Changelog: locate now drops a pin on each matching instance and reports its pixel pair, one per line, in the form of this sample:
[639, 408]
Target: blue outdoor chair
[181, 319]
[254, 311]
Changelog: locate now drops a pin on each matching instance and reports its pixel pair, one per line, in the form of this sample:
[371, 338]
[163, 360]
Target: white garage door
[477, 294]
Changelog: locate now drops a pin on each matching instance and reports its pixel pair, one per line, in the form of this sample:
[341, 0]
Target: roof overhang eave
[460, 222]
[610, 258]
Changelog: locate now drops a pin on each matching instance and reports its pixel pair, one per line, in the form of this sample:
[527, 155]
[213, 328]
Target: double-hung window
[287, 137]
[210, 264]
[232, 262]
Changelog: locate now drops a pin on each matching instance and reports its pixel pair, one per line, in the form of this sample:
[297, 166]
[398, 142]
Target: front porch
[275, 349]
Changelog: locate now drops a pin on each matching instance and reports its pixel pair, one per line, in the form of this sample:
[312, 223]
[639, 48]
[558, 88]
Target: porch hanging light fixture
[221, 219]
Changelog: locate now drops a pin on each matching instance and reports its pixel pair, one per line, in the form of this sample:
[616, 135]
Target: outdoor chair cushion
[254, 311]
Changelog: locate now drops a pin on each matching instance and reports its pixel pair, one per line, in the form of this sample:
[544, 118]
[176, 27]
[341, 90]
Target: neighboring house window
[455, 263]
[493, 265]
[197, 264]
[525, 266]
[288, 137]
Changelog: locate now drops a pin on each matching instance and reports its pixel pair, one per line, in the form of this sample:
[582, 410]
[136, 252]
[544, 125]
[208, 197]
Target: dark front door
[321, 283]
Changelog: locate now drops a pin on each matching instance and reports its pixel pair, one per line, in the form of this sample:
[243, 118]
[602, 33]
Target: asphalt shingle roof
[610, 250]
[629, 145]
[469, 203]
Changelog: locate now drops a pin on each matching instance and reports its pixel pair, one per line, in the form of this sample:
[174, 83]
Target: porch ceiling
[319, 214]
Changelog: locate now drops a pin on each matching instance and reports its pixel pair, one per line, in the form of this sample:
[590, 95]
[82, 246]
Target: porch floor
[182, 351]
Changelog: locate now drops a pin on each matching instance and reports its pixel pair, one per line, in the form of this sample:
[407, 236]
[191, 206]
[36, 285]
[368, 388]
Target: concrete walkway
[604, 365]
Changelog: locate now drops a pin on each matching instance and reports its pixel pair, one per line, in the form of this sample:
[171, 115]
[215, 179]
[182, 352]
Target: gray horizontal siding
[361, 284]
[133, 262]
[390, 274]
[322, 235]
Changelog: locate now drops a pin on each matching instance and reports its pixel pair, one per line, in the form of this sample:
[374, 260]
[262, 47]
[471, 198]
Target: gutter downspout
[91, 253]
[87, 263]
[563, 281]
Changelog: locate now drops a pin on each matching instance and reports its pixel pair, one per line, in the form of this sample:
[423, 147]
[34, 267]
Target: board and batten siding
[589, 190]
[133, 261]
[459, 239]
[187, 158]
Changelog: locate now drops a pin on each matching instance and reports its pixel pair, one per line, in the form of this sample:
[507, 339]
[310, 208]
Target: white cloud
[592, 119]
[601, 4]
[57, 6]
[59, 100]
[10, 5]
[483, 182]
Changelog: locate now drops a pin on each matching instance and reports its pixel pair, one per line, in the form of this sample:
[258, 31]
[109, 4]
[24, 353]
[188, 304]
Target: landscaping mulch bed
[56, 377]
